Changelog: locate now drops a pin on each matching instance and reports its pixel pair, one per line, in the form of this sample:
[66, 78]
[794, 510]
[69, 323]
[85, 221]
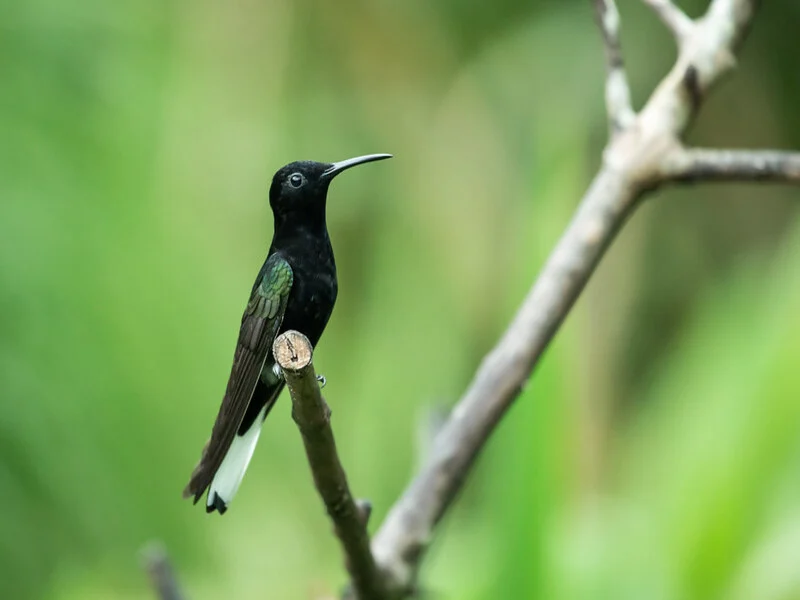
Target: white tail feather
[230, 473]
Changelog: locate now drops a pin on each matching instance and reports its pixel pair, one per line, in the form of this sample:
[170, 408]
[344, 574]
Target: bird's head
[302, 186]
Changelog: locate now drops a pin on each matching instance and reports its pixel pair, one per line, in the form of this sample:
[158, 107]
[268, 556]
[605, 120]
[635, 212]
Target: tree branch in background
[672, 17]
[698, 164]
[618, 94]
[159, 570]
[293, 353]
[645, 151]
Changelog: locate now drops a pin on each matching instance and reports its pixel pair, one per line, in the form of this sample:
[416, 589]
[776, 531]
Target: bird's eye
[296, 180]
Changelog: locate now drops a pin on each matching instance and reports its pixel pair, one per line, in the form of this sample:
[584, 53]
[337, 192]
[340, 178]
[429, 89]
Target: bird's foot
[322, 381]
[277, 372]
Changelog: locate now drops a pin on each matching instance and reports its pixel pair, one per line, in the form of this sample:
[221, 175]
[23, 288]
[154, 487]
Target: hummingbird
[296, 289]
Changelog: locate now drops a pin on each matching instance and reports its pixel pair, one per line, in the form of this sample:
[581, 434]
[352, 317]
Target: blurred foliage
[656, 453]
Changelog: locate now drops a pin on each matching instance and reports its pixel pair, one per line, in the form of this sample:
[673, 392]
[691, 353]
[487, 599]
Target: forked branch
[644, 152]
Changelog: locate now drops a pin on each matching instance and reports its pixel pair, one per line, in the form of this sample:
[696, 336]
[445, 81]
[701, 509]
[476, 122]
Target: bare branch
[707, 55]
[700, 164]
[408, 528]
[645, 152]
[293, 353]
[673, 18]
[158, 568]
[618, 94]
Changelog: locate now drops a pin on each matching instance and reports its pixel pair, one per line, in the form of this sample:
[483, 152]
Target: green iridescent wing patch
[269, 295]
[260, 325]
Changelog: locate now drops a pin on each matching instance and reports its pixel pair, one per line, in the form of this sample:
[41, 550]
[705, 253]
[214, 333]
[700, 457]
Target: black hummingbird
[295, 289]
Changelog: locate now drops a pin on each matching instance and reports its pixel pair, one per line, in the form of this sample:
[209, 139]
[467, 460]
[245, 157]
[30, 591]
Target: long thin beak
[342, 165]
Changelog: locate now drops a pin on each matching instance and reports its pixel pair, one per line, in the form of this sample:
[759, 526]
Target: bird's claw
[322, 381]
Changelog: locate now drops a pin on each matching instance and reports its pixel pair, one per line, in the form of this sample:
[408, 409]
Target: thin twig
[618, 94]
[293, 353]
[701, 164]
[672, 17]
[636, 160]
[159, 570]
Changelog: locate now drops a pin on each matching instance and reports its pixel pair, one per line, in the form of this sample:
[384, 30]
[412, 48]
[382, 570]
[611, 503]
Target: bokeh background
[656, 453]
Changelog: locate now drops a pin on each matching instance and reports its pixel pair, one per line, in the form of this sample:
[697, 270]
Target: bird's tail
[230, 473]
[222, 473]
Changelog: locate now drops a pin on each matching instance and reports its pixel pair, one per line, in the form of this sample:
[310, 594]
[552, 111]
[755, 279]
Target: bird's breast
[311, 303]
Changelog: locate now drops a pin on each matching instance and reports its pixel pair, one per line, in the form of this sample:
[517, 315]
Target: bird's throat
[304, 241]
[308, 222]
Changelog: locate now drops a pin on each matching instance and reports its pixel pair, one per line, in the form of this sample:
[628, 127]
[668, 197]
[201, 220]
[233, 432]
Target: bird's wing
[260, 324]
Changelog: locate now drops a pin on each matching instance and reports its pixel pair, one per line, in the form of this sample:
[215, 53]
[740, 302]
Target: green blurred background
[656, 453]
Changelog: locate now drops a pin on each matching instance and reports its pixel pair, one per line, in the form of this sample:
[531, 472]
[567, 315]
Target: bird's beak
[343, 165]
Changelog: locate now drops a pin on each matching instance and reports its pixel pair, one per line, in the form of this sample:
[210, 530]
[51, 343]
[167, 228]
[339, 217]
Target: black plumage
[296, 289]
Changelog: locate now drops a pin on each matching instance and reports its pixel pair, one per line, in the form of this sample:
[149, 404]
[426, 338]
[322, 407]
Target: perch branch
[618, 94]
[159, 570]
[293, 353]
[644, 152]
